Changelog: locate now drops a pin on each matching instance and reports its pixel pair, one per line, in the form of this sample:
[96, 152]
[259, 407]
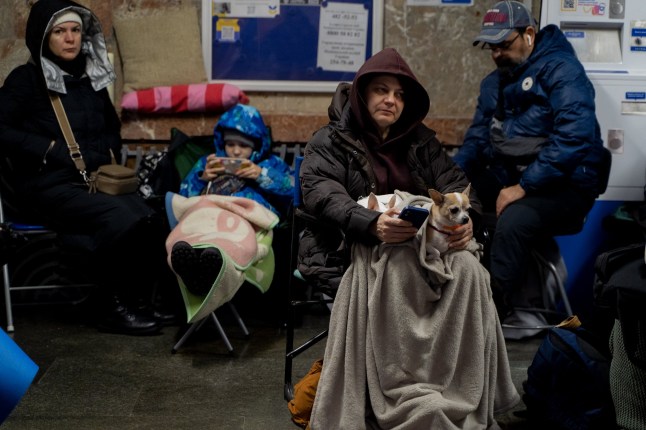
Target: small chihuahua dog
[448, 212]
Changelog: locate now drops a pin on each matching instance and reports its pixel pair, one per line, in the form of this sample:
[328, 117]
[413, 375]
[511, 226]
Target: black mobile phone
[414, 214]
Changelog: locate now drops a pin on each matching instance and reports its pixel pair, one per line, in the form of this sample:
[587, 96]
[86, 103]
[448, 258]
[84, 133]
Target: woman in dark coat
[122, 236]
[359, 152]
[402, 323]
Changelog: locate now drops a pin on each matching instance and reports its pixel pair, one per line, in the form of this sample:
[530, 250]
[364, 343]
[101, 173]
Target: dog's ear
[436, 196]
[467, 190]
[393, 201]
[373, 203]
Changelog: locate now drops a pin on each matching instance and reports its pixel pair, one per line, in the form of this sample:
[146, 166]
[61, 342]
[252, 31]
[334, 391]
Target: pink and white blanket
[239, 227]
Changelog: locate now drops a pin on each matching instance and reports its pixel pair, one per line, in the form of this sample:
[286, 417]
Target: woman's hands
[390, 229]
[460, 237]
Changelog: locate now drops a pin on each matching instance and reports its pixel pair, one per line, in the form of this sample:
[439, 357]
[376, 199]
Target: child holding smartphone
[210, 257]
[242, 164]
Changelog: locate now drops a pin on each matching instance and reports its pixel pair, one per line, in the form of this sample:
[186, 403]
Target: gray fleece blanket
[414, 343]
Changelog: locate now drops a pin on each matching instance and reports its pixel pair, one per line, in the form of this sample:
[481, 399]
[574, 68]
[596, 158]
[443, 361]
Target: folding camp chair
[212, 317]
[300, 294]
[545, 283]
[34, 268]
[184, 151]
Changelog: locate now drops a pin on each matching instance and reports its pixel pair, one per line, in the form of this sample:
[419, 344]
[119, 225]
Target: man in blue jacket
[534, 151]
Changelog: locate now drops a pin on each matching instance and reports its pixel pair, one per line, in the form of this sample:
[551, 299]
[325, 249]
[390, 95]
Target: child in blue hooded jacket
[261, 176]
[266, 178]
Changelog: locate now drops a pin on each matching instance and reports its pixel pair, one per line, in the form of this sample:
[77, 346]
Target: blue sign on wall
[280, 52]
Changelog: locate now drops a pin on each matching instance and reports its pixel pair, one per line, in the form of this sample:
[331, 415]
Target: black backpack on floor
[568, 382]
[620, 293]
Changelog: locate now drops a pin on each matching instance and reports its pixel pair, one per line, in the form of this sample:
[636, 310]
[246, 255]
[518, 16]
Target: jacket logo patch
[527, 84]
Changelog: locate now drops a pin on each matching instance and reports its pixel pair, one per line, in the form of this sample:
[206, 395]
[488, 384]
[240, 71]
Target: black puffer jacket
[337, 170]
[27, 121]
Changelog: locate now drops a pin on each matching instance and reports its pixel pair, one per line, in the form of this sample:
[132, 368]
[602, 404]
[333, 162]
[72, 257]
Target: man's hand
[507, 196]
[390, 229]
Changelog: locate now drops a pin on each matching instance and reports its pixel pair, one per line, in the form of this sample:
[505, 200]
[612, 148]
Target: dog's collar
[447, 227]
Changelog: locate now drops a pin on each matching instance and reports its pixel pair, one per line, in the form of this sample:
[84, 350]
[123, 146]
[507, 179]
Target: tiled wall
[435, 40]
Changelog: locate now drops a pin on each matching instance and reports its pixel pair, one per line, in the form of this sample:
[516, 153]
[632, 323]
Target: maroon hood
[416, 100]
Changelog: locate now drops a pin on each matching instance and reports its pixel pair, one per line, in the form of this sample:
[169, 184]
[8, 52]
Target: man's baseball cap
[502, 19]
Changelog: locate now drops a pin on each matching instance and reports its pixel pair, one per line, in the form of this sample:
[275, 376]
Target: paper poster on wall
[289, 45]
[227, 30]
[343, 33]
[584, 7]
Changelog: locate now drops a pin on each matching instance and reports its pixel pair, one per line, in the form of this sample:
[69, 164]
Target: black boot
[198, 267]
[120, 319]
[162, 316]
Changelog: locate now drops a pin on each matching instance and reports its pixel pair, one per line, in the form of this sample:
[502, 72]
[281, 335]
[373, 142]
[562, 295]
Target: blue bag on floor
[568, 382]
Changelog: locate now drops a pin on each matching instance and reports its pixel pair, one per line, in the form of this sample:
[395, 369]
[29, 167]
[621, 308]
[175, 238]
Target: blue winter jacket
[274, 188]
[550, 134]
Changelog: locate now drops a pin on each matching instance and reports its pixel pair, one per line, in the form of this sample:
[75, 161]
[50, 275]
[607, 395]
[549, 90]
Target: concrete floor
[92, 380]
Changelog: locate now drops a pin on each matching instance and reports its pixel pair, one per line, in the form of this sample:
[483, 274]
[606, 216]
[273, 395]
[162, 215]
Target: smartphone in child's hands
[231, 165]
[414, 214]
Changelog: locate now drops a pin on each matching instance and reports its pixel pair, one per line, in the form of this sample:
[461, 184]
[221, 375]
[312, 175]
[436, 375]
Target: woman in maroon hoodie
[375, 142]
[413, 343]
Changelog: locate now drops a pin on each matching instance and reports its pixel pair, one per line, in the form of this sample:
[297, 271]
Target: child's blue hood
[246, 119]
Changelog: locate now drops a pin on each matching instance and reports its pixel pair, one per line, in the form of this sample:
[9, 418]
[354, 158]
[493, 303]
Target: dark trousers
[118, 240]
[524, 224]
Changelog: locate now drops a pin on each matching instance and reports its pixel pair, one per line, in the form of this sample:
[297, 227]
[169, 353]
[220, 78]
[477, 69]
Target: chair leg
[288, 390]
[187, 334]
[223, 335]
[559, 283]
[196, 326]
[561, 292]
[239, 320]
[291, 352]
[7, 298]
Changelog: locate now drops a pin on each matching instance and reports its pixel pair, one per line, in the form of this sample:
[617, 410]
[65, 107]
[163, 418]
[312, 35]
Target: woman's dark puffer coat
[337, 171]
